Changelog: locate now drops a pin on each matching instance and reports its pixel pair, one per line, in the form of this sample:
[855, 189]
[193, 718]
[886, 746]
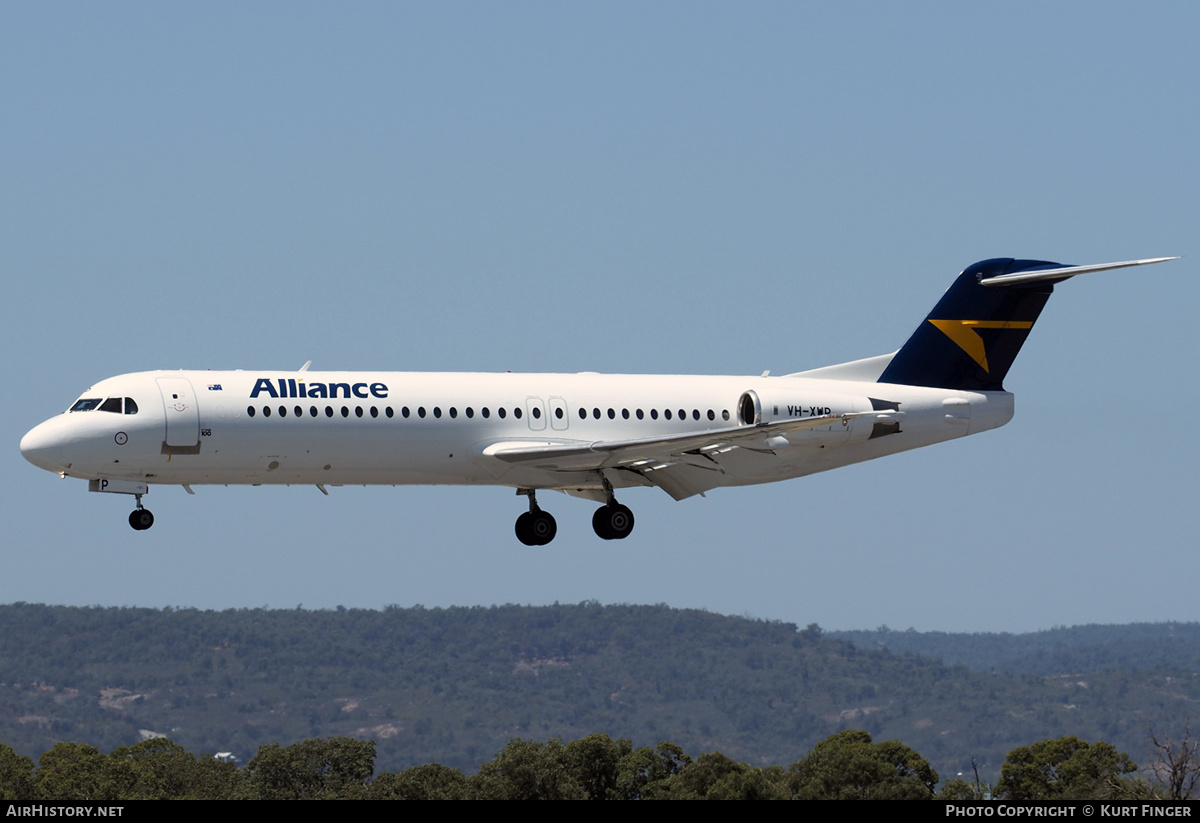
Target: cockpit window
[86, 404]
[112, 404]
[130, 406]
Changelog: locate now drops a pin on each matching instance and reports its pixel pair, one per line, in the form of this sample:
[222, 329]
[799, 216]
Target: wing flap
[649, 454]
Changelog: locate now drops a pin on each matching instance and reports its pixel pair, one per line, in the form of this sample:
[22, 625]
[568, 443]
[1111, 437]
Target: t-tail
[971, 338]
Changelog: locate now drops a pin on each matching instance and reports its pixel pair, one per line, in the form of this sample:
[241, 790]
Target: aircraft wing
[680, 464]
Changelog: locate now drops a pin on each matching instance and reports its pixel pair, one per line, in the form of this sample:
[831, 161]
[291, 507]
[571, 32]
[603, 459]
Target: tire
[141, 519]
[524, 529]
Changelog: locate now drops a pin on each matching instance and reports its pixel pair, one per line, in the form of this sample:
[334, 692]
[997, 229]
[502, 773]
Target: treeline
[846, 766]
[1136, 647]
[456, 685]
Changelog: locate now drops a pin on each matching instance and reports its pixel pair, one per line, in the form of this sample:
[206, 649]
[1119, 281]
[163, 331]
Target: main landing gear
[612, 521]
[535, 527]
[141, 519]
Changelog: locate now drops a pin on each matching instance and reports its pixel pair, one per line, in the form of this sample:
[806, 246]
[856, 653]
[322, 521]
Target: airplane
[584, 434]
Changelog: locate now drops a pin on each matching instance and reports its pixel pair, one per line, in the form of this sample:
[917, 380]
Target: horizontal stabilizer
[1065, 272]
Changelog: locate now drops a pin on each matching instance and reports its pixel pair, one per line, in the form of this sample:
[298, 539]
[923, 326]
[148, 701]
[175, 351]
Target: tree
[331, 768]
[74, 771]
[16, 775]
[595, 762]
[641, 772]
[960, 791]
[528, 770]
[1065, 769]
[1178, 765]
[432, 781]
[158, 769]
[714, 776]
[849, 766]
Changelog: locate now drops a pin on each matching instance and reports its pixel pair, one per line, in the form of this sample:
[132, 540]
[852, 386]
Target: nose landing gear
[535, 527]
[140, 519]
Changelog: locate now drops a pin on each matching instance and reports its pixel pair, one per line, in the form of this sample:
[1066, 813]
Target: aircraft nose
[42, 447]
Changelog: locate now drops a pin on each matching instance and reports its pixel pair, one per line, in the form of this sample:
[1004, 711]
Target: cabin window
[537, 413]
[583, 414]
[712, 415]
[299, 411]
[596, 413]
[266, 411]
[404, 412]
[312, 411]
[421, 411]
[470, 412]
[654, 414]
[453, 413]
[625, 413]
[640, 414]
[249, 411]
[612, 415]
[517, 412]
[374, 412]
[725, 414]
[437, 411]
[388, 411]
[484, 411]
[358, 411]
[500, 411]
[329, 411]
[345, 412]
[558, 412]
[666, 414]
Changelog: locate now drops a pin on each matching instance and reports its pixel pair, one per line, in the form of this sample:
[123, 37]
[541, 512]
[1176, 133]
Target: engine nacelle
[755, 408]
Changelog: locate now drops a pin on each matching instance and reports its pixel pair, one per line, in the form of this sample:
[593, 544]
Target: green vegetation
[845, 766]
[1078, 650]
[453, 686]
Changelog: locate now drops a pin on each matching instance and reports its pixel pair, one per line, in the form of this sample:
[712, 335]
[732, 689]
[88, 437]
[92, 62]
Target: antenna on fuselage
[307, 363]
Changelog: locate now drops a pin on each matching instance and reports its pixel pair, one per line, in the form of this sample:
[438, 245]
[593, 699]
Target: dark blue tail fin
[974, 333]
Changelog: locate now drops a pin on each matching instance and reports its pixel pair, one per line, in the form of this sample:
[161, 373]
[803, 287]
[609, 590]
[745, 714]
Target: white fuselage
[397, 428]
[584, 434]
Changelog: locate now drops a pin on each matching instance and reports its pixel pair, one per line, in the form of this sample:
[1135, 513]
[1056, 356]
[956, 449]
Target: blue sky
[651, 188]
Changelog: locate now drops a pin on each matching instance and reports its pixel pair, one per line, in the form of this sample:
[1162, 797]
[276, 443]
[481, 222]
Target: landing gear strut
[612, 521]
[535, 527]
[140, 518]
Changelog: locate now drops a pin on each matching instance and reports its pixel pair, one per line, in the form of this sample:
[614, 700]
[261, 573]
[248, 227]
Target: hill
[455, 685]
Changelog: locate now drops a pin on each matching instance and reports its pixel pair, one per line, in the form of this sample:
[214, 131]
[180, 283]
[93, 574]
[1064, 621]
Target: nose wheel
[535, 527]
[140, 519]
